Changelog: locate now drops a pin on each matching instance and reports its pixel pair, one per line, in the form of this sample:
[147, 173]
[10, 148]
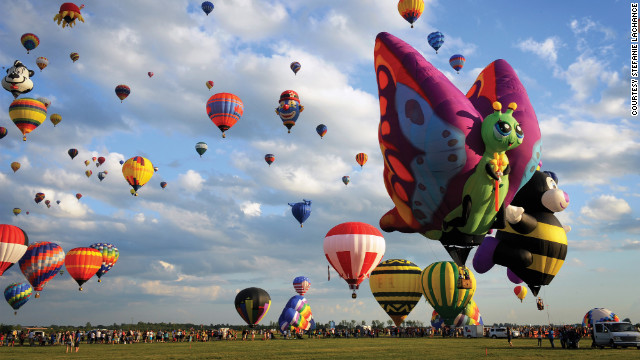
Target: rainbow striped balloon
[29, 41]
[110, 256]
[40, 263]
[17, 294]
[27, 114]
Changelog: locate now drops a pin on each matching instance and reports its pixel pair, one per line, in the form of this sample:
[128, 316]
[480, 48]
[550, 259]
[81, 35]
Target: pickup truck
[616, 334]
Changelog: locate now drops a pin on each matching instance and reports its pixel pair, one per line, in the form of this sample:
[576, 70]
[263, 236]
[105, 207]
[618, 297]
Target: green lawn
[363, 348]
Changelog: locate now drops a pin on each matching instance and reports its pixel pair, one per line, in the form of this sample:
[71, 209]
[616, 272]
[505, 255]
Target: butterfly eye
[502, 129]
[519, 132]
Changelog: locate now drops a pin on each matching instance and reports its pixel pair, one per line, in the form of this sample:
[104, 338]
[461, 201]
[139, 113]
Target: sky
[223, 223]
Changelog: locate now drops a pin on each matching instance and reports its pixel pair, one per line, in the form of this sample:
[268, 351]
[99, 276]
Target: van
[498, 332]
[616, 334]
[473, 331]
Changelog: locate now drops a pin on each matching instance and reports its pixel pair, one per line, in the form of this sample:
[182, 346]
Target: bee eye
[502, 129]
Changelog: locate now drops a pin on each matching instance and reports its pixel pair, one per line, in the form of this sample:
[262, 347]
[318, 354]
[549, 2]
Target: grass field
[363, 348]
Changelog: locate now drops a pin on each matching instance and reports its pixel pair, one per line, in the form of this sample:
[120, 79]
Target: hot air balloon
[345, 180]
[354, 249]
[224, 110]
[301, 284]
[27, 114]
[395, 284]
[110, 256]
[15, 166]
[436, 320]
[457, 62]
[163, 184]
[68, 14]
[42, 62]
[58, 202]
[39, 197]
[16, 211]
[410, 10]
[436, 39]
[45, 101]
[201, 148]
[82, 263]
[209, 84]
[29, 41]
[55, 119]
[78, 196]
[17, 294]
[74, 56]
[520, 292]
[102, 175]
[297, 315]
[48, 203]
[301, 210]
[101, 161]
[137, 171]
[122, 91]
[155, 169]
[361, 159]
[469, 316]
[289, 108]
[269, 158]
[121, 162]
[321, 130]
[40, 263]
[252, 304]
[441, 289]
[87, 162]
[3, 132]
[13, 244]
[207, 7]
[150, 74]
[88, 173]
[295, 67]
[598, 314]
[72, 153]
[94, 158]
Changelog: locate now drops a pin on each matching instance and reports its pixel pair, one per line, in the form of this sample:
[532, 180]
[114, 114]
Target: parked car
[498, 332]
[616, 334]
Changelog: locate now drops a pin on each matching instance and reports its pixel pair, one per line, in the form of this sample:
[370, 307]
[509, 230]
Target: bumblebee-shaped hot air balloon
[301, 210]
[410, 10]
[74, 56]
[29, 41]
[17, 294]
[110, 256]
[440, 287]
[137, 171]
[520, 291]
[27, 114]
[269, 158]
[40, 263]
[122, 91]
[469, 316]
[13, 244]
[55, 119]
[3, 132]
[346, 180]
[457, 62]
[201, 148]
[207, 7]
[321, 130]
[88, 173]
[224, 110]
[163, 184]
[301, 284]
[209, 84]
[395, 284]
[72, 153]
[295, 67]
[42, 62]
[15, 166]
[17, 211]
[354, 249]
[252, 304]
[361, 159]
[39, 197]
[68, 14]
[82, 263]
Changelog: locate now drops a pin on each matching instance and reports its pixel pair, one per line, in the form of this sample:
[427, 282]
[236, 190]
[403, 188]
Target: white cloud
[192, 181]
[251, 208]
[606, 208]
[546, 50]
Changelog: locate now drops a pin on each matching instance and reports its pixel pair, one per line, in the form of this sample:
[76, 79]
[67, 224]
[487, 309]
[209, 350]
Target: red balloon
[82, 263]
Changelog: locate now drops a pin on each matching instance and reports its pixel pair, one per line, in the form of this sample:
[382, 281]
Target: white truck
[473, 331]
[616, 334]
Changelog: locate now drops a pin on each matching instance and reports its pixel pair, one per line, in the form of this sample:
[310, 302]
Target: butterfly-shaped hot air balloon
[295, 67]
[82, 263]
[440, 287]
[431, 138]
[346, 179]
[27, 114]
[395, 284]
[224, 110]
[354, 249]
[42, 62]
[74, 56]
[15, 166]
[13, 244]
[17, 294]
[436, 39]
[110, 256]
[68, 14]
[410, 10]
[207, 7]
[122, 91]
[252, 304]
[361, 159]
[137, 171]
[201, 148]
[301, 284]
[40, 263]
[301, 210]
[269, 158]
[29, 41]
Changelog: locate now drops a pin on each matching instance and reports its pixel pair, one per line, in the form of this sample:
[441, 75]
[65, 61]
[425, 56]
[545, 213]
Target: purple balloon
[483, 259]
[513, 277]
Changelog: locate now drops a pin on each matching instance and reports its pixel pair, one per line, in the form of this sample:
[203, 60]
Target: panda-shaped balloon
[18, 79]
[534, 243]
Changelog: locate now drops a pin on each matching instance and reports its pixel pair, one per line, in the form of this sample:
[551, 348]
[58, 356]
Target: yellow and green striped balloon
[440, 286]
[395, 284]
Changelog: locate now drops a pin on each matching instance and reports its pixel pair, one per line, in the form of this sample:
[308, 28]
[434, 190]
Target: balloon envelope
[55, 119]
[410, 10]
[301, 284]
[41, 262]
[440, 287]
[72, 153]
[137, 171]
[3, 132]
[435, 39]
[122, 91]
[29, 41]
[301, 210]
[598, 314]
[17, 294]
[345, 179]
[74, 56]
[269, 158]
[15, 166]
[13, 244]
[82, 263]
[457, 62]
[110, 256]
[395, 284]
[42, 62]
[252, 304]
[321, 130]
[295, 67]
[201, 148]
[224, 110]
[361, 159]
[520, 291]
[207, 7]
[27, 114]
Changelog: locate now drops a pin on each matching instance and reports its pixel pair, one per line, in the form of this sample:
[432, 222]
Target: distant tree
[363, 323]
[88, 325]
[419, 323]
[389, 322]
[353, 323]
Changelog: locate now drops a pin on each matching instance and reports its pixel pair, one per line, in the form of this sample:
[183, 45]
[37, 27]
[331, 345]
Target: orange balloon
[82, 263]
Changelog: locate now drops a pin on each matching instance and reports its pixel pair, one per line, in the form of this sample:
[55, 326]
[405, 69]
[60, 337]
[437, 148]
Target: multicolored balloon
[269, 158]
[27, 114]
[395, 284]
[252, 304]
[361, 159]
[29, 41]
[520, 291]
[110, 256]
[201, 148]
[163, 184]
[15, 166]
[55, 119]
[436, 39]
[321, 130]
[13, 244]
[289, 109]
[42, 62]
[440, 287]
[457, 62]
[74, 56]
[598, 314]
[301, 284]
[17, 294]
[17, 211]
[3, 132]
[436, 320]
[354, 249]
[87, 162]
[68, 14]
[209, 84]
[295, 67]
[207, 7]
[40, 263]
[82, 263]
[122, 91]
[88, 173]
[137, 171]
[72, 153]
[301, 210]
[410, 10]
[39, 197]
[48, 203]
[224, 110]
[345, 180]
[102, 175]
[469, 316]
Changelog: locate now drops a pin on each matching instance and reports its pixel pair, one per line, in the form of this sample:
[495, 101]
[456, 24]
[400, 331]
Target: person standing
[77, 340]
[509, 336]
[551, 337]
[540, 332]
[68, 340]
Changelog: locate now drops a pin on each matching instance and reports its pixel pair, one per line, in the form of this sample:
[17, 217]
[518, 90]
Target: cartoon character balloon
[17, 294]
[40, 263]
[295, 67]
[252, 304]
[410, 10]
[432, 141]
[301, 210]
[321, 130]
[269, 158]
[289, 109]
[13, 244]
[137, 171]
[68, 14]
[110, 256]
[435, 40]
[122, 91]
[18, 80]
[301, 284]
[207, 7]
[395, 284]
[224, 110]
[82, 263]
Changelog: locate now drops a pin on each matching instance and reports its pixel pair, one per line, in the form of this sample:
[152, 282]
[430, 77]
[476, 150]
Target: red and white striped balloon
[354, 249]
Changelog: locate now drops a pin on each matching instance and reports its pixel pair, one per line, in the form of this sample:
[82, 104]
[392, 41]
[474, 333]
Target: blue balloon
[436, 39]
[17, 294]
[207, 7]
[301, 210]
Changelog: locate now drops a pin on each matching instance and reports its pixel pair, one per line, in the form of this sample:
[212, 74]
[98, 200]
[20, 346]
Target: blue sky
[223, 223]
